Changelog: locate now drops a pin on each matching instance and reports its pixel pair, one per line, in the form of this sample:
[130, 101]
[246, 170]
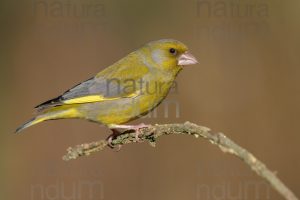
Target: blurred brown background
[246, 85]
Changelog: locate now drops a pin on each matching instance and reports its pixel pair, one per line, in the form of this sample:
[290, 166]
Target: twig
[224, 143]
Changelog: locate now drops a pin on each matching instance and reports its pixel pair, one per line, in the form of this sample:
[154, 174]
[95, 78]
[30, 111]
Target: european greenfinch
[124, 91]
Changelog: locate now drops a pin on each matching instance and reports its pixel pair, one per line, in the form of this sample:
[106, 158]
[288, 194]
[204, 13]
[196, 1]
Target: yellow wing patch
[95, 98]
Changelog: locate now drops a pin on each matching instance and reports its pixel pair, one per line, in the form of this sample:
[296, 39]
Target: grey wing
[108, 88]
[96, 86]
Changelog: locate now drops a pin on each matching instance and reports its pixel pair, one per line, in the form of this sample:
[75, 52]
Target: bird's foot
[111, 137]
[135, 128]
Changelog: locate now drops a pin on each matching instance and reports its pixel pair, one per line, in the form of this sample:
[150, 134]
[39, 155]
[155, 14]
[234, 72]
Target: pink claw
[110, 138]
[136, 129]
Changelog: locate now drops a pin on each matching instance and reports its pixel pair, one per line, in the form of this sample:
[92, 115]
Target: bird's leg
[136, 128]
[115, 133]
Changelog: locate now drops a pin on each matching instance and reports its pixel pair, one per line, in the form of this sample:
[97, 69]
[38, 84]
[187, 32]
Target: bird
[122, 92]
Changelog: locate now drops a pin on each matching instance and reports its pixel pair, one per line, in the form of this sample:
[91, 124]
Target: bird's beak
[187, 59]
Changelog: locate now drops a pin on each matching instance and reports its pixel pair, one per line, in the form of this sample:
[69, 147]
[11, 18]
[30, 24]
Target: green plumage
[123, 91]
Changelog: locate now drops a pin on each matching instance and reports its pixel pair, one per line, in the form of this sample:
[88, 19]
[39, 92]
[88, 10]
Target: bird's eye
[173, 51]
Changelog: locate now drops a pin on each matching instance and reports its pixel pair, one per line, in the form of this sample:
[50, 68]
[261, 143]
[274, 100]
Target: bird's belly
[124, 109]
[127, 110]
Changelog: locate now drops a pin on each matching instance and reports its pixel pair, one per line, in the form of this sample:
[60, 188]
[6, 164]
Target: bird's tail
[54, 113]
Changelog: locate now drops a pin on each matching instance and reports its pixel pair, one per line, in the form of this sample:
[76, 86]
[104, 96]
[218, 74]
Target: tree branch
[224, 143]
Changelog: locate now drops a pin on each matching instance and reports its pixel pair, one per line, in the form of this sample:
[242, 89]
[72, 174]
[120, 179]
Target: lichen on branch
[152, 133]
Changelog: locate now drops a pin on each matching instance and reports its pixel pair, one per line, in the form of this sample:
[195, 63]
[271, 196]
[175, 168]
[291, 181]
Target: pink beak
[187, 59]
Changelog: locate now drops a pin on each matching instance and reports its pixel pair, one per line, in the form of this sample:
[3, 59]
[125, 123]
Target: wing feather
[110, 84]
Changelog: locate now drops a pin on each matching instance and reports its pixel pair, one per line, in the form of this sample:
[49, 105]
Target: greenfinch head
[169, 54]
